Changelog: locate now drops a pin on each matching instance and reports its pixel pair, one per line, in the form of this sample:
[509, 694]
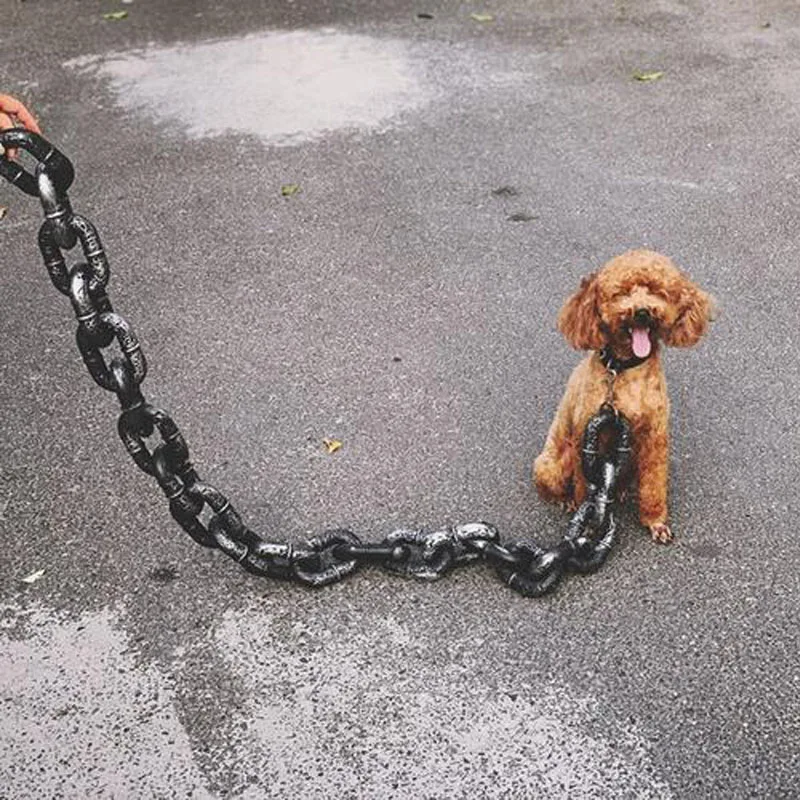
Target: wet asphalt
[401, 304]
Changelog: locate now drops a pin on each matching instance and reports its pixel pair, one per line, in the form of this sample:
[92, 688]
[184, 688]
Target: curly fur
[601, 313]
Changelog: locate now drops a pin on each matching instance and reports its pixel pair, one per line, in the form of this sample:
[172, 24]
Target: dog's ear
[579, 319]
[696, 309]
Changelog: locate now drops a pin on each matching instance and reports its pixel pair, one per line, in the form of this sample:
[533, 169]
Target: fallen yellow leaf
[647, 76]
[288, 189]
[332, 445]
[482, 17]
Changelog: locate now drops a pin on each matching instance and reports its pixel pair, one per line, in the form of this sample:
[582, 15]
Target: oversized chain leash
[526, 567]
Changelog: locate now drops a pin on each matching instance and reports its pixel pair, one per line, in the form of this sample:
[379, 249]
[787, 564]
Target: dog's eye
[658, 290]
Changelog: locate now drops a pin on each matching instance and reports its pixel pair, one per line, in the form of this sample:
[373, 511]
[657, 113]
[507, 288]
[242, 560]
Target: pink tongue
[641, 342]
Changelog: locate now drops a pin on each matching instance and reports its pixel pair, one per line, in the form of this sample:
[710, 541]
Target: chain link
[526, 567]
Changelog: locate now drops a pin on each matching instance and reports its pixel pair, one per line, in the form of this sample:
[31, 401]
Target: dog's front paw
[661, 533]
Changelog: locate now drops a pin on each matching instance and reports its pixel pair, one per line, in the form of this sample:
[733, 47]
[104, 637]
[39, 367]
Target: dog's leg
[554, 467]
[653, 464]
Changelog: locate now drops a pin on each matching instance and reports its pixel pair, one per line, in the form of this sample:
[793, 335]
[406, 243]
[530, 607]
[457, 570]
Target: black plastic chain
[428, 555]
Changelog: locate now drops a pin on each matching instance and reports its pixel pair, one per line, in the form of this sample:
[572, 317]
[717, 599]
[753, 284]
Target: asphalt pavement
[357, 221]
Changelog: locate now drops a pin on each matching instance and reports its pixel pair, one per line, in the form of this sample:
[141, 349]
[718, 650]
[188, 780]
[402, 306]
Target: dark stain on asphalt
[164, 574]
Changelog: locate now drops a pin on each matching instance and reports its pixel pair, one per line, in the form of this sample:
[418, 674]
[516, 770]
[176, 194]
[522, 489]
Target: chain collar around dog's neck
[613, 367]
[616, 365]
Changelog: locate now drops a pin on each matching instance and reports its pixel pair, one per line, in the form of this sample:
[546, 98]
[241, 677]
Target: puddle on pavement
[285, 87]
[81, 717]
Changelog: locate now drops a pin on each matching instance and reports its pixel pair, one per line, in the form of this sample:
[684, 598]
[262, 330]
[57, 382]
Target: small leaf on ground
[647, 76]
[522, 216]
[3, 211]
[288, 189]
[482, 17]
[33, 577]
[332, 445]
[505, 191]
[115, 16]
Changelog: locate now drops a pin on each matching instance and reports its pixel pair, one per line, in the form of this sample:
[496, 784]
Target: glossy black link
[319, 566]
[136, 424]
[128, 393]
[475, 531]
[57, 210]
[582, 548]
[551, 559]
[468, 539]
[590, 443]
[53, 257]
[371, 553]
[132, 429]
[133, 426]
[618, 451]
[184, 504]
[89, 305]
[514, 557]
[246, 546]
[233, 524]
[228, 519]
[592, 555]
[191, 524]
[128, 343]
[93, 359]
[609, 536]
[220, 505]
[229, 545]
[538, 571]
[323, 576]
[580, 519]
[271, 559]
[623, 444]
[57, 165]
[172, 486]
[185, 471]
[174, 446]
[540, 582]
[430, 555]
[92, 248]
[603, 495]
[17, 176]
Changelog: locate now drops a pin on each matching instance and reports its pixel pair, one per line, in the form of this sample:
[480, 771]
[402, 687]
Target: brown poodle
[624, 312]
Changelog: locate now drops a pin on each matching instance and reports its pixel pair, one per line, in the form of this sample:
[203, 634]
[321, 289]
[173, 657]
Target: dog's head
[633, 302]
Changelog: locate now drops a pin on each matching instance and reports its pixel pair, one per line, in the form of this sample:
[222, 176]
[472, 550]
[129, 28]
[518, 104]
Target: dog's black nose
[642, 317]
